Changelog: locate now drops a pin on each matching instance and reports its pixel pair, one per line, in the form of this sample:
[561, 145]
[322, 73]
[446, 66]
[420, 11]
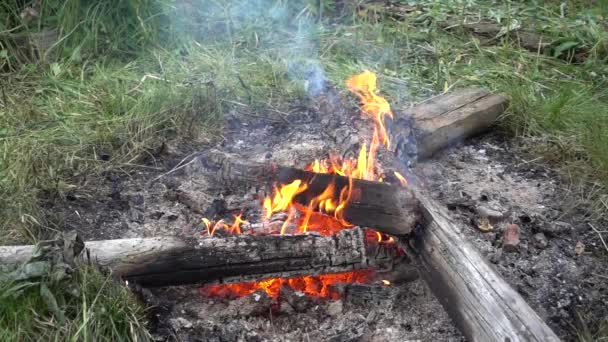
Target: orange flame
[364, 86]
[401, 179]
[324, 213]
[235, 228]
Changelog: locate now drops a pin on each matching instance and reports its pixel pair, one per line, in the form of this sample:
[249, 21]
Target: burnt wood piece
[249, 257]
[166, 261]
[479, 301]
[381, 206]
[419, 132]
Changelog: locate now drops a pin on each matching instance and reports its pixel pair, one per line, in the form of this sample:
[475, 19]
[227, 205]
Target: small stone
[579, 248]
[298, 300]
[555, 228]
[335, 308]
[257, 303]
[180, 323]
[510, 238]
[492, 214]
[540, 240]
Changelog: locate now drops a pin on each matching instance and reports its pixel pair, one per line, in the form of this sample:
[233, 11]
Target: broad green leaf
[563, 47]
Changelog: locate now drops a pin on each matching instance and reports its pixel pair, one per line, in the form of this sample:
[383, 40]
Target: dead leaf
[484, 225]
[580, 248]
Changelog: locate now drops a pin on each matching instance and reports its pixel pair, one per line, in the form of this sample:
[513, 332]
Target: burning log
[421, 131]
[386, 208]
[481, 303]
[171, 261]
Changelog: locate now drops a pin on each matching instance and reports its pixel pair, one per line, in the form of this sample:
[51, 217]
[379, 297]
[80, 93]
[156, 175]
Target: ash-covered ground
[486, 176]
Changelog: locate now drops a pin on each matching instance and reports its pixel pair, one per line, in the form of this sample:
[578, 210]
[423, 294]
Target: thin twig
[600, 275]
[177, 167]
[246, 87]
[4, 98]
[600, 235]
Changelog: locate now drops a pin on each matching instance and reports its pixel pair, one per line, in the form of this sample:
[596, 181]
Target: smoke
[286, 29]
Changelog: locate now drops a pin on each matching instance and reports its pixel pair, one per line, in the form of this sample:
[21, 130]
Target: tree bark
[480, 302]
[109, 253]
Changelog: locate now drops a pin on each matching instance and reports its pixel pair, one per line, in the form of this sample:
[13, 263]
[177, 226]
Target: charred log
[386, 208]
[248, 257]
[172, 261]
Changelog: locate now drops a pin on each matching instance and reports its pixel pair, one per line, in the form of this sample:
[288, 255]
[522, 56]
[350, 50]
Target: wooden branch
[171, 261]
[109, 253]
[443, 120]
[384, 207]
[530, 41]
[480, 302]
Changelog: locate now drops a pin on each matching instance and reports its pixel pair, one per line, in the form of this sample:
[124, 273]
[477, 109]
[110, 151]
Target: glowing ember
[317, 286]
[386, 282]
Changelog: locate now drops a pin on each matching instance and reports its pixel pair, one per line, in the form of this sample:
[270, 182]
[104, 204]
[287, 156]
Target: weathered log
[419, 132]
[172, 261]
[381, 206]
[480, 302]
[109, 253]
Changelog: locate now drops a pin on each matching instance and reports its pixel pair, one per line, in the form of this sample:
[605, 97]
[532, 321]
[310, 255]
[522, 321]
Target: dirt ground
[557, 266]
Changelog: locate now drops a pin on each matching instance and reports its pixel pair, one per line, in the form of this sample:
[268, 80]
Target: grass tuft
[90, 307]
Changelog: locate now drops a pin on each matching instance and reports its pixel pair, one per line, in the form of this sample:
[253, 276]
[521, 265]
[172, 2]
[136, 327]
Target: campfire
[307, 241]
[292, 210]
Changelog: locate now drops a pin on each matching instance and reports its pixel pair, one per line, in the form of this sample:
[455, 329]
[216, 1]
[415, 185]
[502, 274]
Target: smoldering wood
[166, 261]
[479, 301]
[249, 257]
[417, 133]
[381, 206]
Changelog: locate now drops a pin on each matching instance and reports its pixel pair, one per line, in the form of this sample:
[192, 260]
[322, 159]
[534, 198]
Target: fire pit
[329, 249]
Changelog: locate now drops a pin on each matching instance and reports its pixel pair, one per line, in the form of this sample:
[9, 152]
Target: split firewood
[419, 132]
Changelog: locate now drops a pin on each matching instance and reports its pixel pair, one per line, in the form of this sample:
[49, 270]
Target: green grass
[90, 307]
[125, 76]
